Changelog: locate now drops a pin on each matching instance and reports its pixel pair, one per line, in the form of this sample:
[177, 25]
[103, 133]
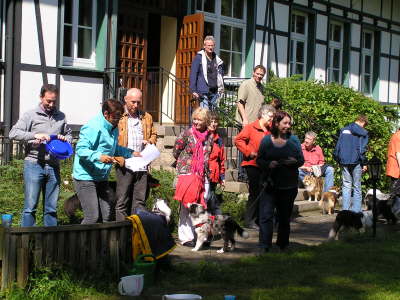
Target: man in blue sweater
[206, 75]
[349, 153]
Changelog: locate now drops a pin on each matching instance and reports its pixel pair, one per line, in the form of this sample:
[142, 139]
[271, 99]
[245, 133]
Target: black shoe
[190, 244]
[252, 226]
[261, 251]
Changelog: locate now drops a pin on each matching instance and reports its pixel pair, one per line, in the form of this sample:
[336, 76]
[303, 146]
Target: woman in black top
[279, 157]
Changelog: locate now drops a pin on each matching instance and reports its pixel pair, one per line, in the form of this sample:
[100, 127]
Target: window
[367, 62]
[298, 45]
[79, 33]
[335, 52]
[225, 20]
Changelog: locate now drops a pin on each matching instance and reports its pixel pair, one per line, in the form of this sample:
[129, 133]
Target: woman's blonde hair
[203, 114]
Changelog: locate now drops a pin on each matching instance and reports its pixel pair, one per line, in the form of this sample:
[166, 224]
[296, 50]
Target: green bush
[326, 108]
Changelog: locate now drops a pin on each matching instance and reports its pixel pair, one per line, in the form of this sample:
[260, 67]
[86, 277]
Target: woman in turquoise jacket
[94, 157]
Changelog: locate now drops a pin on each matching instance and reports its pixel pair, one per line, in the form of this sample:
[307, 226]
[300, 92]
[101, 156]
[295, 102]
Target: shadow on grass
[359, 268]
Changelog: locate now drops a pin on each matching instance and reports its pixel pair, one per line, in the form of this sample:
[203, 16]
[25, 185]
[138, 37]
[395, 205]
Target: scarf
[198, 153]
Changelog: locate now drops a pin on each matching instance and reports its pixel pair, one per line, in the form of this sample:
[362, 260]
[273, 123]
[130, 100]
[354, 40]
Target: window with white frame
[335, 52]
[79, 32]
[367, 61]
[226, 21]
[298, 44]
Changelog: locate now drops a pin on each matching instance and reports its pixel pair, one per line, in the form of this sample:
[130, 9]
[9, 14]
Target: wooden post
[6, 261]
[23, 261]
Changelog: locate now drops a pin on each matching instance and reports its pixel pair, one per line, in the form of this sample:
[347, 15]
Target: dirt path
[310, 228]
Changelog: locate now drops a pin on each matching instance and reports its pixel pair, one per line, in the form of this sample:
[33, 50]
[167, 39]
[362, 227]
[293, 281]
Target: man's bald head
[133, 100]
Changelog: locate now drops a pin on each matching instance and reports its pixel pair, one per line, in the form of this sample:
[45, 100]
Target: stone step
[302, 206]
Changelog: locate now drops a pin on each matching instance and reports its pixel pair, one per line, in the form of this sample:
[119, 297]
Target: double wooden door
[132, 46]
[190, 42]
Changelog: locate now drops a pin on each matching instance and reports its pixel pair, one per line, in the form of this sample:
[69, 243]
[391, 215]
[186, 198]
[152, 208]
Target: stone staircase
[166, 139]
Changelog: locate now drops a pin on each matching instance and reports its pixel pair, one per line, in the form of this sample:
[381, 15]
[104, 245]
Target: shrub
[326, 108]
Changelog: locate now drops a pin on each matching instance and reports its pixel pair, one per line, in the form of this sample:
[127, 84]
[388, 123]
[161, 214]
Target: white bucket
[182, 297]
[131, 285]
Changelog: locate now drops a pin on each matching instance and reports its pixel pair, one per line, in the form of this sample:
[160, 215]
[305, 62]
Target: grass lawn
[359, 268]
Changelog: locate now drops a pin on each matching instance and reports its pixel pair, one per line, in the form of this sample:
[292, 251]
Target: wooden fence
[84, 248]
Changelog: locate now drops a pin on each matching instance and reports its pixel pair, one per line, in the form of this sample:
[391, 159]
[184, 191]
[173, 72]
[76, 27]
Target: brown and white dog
[313, 186]
[329, 200]
[207, 226]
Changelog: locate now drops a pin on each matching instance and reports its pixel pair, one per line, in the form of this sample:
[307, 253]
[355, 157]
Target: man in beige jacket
[136, 129]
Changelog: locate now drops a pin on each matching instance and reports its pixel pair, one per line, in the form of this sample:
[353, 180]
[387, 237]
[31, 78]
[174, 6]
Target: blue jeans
[351, 178]
[39, 177]
[283, 201]
[327, 171]
[209, 101]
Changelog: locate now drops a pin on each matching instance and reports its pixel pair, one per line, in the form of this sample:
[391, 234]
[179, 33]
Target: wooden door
[132, 47]
[190, 42]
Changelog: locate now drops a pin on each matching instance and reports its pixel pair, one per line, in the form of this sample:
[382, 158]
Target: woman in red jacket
[248, 142]
[216, 165]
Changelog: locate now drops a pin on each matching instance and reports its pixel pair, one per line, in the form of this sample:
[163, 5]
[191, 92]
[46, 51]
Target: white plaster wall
[368, 20]
[322, 23]
[320, 62]
[2, 101]
[258, 47]
[168, 62]
[394, 81]
[261, 6]
[355, 35]
[372, 7]
[395, 44]
[281, 58]
[302, 2]
[337, 12]
[29, 37]
[319, 6]
[80, 98]
[281, 17]
[345, 3]
[354, 68]
[396, 10]
[385, 42]
[386, 9]
[31, 82]
[49, 12]
[383, 79]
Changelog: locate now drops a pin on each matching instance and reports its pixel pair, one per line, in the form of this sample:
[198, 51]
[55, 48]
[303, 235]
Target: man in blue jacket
[206, 75]
[350, 154]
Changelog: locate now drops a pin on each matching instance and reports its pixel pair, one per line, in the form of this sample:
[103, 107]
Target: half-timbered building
[96, 49]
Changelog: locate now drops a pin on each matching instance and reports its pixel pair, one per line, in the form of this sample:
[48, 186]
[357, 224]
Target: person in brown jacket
[136, 129]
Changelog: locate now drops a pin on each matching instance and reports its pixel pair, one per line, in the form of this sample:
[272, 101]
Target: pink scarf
[198, 153]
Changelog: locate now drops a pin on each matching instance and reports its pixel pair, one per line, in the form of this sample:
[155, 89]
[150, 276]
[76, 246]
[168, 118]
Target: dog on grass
[329, 200]
[207, 226]
[347, 219]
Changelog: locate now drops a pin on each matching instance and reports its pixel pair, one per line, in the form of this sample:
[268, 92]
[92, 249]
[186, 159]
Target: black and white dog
[347, 219]
[383, 205]
[207, 226]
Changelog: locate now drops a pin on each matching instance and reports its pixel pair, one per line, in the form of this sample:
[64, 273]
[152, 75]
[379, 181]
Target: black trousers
[283, 201]
[254, 177]
[130, 193]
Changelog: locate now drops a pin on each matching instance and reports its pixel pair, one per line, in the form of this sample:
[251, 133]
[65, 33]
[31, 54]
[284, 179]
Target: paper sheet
[149, 154]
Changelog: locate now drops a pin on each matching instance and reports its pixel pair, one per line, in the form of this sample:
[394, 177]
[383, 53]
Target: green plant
[326, 108]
